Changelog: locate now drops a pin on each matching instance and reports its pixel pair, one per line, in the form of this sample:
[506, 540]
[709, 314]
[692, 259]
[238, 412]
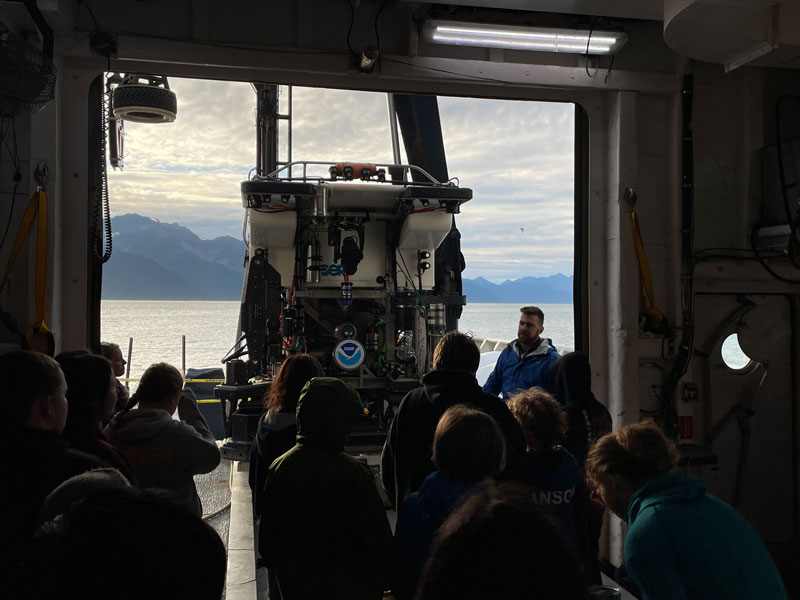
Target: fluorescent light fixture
[511, 37]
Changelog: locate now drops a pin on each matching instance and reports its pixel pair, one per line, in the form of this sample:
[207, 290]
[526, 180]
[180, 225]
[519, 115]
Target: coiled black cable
[102, 209]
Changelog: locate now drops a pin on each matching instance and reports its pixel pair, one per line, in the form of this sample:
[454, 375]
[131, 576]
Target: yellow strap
[24, 227]
[644, 268]
[37, 206]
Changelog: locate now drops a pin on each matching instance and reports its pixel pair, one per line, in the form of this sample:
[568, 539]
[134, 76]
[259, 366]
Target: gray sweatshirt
[165, 453]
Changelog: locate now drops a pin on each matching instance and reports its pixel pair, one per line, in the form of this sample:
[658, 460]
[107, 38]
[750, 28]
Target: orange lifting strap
[654, 318]
[38, 336]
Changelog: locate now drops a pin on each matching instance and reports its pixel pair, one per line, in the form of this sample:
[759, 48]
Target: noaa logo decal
[349, 354]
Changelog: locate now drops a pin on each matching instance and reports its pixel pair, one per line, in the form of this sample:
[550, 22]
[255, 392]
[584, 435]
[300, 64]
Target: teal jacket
[684, 543]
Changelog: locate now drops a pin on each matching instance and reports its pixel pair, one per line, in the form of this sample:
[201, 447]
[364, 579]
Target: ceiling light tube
[510, 37]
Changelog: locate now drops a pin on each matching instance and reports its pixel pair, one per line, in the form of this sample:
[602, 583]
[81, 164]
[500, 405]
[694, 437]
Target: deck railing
[487, 345]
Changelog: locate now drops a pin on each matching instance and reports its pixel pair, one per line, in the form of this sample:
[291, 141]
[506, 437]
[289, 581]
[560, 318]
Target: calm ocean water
[210, 328]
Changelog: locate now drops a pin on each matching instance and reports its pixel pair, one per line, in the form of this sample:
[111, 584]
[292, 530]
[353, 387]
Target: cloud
[214, 129]
[516, 157]
[340, 125]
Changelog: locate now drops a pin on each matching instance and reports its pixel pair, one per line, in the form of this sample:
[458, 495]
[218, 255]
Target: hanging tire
[144, 104]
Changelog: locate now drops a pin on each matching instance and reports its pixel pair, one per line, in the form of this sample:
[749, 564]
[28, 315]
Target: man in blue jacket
[524, 363]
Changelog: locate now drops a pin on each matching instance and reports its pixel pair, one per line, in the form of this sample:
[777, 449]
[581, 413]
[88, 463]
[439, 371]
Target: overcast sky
[516, 156]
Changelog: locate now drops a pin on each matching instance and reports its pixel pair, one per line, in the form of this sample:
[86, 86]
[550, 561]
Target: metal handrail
[305, 177]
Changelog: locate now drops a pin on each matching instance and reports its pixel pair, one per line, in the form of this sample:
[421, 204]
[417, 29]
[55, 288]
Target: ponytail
[159, 381]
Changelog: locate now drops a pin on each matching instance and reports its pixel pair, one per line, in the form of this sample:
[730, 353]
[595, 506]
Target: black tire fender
[144, 104]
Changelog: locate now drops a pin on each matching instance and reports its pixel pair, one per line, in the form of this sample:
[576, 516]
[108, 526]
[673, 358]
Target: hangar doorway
[517, 232]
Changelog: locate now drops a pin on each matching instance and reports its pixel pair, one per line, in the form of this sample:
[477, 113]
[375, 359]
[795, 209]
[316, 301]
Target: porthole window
[732, 354]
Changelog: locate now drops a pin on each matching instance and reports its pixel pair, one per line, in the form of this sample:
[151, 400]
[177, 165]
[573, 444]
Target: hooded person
[407, 453]
[323, 529]
[165, 453]
[588, 420]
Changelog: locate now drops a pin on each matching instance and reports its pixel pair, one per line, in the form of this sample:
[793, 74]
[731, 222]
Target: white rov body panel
[275, 231]
[422, 231]
[274, 228]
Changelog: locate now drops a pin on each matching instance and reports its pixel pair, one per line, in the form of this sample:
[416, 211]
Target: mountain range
[553, 289]
[166, 261]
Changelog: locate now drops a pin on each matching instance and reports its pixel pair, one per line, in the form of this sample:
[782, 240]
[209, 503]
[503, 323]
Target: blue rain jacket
[520, 372]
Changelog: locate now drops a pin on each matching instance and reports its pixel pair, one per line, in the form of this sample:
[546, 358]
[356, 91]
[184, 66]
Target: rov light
[513, 37]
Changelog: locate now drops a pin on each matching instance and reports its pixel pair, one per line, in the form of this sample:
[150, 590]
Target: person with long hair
[90, 400]
[681, 541]
[277, 429]
[165, 453]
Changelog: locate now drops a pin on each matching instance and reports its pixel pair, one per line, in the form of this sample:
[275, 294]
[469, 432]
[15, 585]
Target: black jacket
[34, 463]
[276, 435]
[571, 384]
[406, 459]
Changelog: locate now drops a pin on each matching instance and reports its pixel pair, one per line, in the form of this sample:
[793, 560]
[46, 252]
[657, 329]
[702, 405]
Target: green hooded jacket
[323, 528]
[683, 543]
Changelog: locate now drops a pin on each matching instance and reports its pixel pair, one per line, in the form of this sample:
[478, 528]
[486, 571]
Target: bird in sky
[522, 229]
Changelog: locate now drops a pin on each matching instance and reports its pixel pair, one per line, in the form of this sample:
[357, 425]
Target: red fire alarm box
[691, 392]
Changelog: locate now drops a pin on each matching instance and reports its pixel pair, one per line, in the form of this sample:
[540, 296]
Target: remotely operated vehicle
[340, 264]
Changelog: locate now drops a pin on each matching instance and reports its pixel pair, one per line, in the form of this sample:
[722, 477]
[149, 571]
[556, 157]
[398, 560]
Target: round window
[732, 354]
